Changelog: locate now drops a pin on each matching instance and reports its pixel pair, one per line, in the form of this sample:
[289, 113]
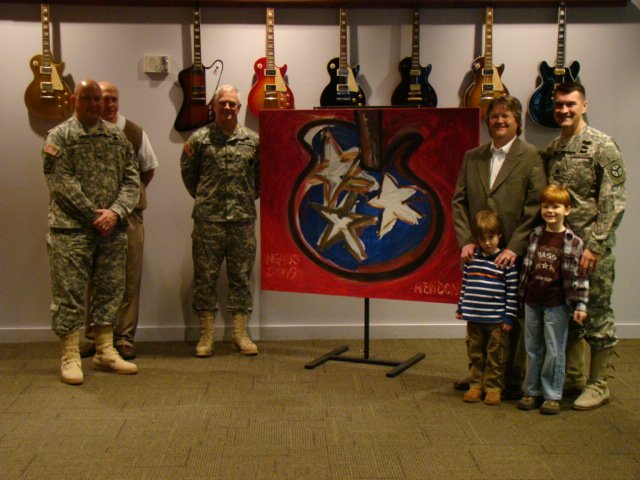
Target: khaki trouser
[488, 349]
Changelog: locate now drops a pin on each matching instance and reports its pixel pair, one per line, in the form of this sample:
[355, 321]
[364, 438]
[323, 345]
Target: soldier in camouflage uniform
[93, 183]
[589, 164]
[219, 165]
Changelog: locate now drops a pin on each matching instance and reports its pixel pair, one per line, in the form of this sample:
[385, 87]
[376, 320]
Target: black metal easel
[336, 353]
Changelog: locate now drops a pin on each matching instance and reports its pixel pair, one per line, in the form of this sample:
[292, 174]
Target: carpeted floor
[267, 417]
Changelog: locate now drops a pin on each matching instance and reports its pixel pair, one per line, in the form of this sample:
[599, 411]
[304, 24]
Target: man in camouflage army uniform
[589, 164]
[93, 185]
[219, 166]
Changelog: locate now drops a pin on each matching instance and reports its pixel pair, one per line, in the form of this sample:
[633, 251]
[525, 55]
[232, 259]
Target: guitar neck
[343, 39]
[562, 20]
[270, 39]
[415, 40]
[46, 38]
[197, 49]
[488, 37]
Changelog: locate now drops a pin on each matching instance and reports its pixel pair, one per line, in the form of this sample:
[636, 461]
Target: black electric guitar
[195, 112]
[541, 101]
[47, 96]
[414, 89]
[487, 83]
[342, 90]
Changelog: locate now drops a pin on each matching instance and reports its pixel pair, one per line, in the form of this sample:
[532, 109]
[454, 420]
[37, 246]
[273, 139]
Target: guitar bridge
[47, 91]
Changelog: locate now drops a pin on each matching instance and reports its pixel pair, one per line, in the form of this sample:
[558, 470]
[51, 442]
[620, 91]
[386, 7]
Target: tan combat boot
[71, 367]
[575, 370]
[205, 344]
[596, 392]
[107, 357]
[240, 339]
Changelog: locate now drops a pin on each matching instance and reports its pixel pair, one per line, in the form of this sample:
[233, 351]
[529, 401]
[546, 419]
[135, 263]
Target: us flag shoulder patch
[52, 149]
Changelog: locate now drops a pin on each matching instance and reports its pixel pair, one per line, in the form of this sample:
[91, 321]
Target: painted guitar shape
[47, 96]
[541, 101]
[414, 89]
[195, 112]
[487, 83]
[342, 90]
[270, 91]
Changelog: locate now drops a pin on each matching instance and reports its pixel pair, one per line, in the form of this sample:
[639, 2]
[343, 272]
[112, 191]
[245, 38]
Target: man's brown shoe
[126, 352]
[88, 350]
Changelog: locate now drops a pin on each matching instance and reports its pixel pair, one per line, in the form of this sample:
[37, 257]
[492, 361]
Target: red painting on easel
[357, 202]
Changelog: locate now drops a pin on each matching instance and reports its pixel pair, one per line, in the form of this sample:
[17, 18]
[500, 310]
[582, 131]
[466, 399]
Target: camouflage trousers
[488, 350]
[599, 329]
[77, 257]
[214, 242]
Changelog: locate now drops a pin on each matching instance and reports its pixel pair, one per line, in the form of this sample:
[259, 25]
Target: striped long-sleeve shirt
[489, 293]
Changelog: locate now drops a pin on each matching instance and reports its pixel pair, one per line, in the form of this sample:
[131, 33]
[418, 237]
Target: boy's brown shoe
[529, 403]
[550, 407]
[472, 395]
[493, 396]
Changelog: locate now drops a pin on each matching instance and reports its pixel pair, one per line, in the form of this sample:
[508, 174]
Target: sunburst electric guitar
[487, 83]
[342, 90]
[541, 101]
[195, 111]
[47, 96]
[414, 89]
[270, 91]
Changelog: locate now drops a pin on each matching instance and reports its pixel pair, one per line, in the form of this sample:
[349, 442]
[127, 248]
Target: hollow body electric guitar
[195, 112]
[487, 83]
[47, 96]
[342, 90]
[270, 91]
[414, 88]
[541, 101]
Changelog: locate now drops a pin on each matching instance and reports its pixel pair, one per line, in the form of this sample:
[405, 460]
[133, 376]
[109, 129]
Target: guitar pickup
[342, 72]
[559, 71]
[487, 72]
[270, 87]
[45, 69]
[487, 87]
[415, 88]
[46, 90]
[342, 88]
[198, 89]
[270, 72]
[414, 72]
[414, 98]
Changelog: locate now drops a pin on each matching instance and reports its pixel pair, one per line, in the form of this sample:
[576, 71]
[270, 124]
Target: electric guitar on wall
[342, 90]
[487, 83]
[414, 89]
[270, 91]
[541, 101]
[195, 112]
[48, 96]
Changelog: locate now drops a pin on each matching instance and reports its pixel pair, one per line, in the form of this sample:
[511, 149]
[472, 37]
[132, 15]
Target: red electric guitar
[270, 89]
[47, 96]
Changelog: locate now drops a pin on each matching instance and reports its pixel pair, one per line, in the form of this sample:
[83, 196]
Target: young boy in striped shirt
[488, 302]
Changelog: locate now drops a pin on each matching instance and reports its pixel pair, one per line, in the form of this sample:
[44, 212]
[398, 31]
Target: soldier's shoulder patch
[616, 172]
[51, 149]
[187, 150]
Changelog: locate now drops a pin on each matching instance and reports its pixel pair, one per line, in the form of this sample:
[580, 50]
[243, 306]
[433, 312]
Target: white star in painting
[391, 201]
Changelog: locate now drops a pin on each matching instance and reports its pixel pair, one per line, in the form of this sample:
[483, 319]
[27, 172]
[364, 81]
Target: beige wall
[110, 43]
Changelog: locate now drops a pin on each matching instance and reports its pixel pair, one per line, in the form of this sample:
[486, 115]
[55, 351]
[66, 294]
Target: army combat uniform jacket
[590, 167]
[221, 173]
[88, 170]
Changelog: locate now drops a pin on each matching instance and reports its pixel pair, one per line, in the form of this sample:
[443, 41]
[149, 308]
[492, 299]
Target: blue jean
[545, 339]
